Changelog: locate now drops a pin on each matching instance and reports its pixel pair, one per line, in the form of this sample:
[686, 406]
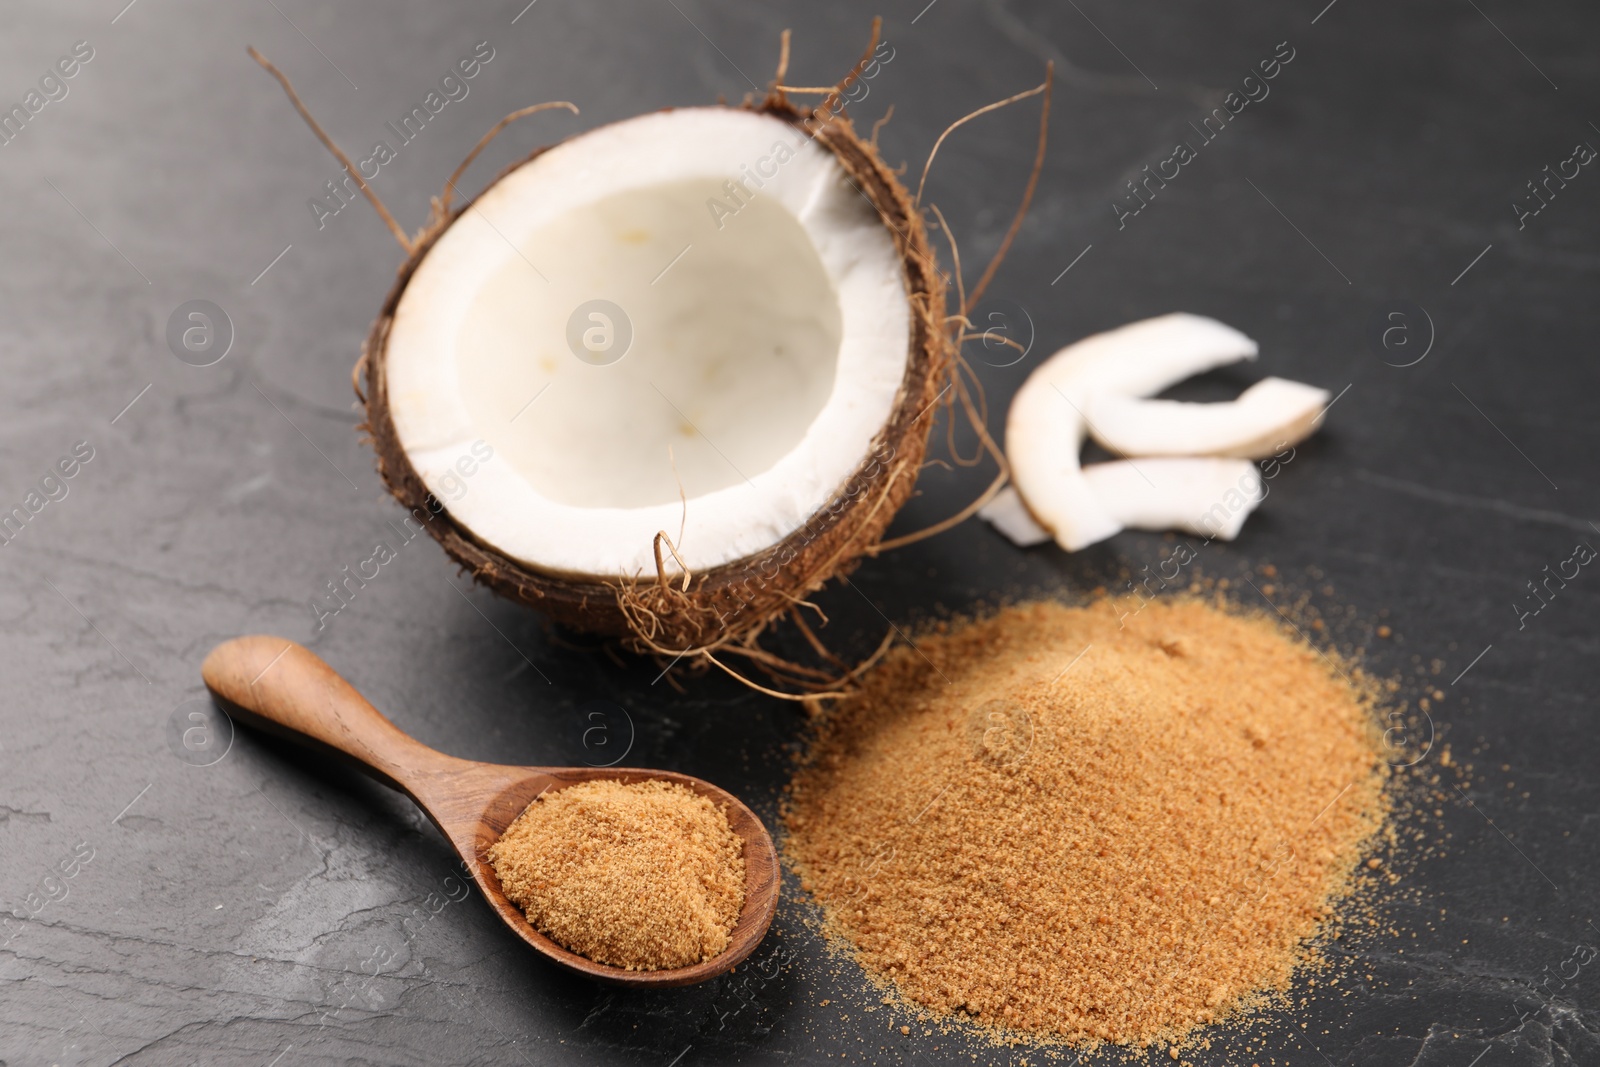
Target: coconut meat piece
[1008, 514]
[753, 339]
[1145, 357]
[1207, 496]
[1048, 420]
[1269, 416]
[1201, 495]
[1044, 434]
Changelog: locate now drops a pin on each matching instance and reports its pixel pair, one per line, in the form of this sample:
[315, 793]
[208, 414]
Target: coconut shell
[735, 601]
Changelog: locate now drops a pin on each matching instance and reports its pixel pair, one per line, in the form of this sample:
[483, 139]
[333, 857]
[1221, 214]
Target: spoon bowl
[281, 688]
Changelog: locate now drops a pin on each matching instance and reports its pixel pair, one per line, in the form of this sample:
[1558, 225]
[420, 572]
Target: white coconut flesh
[1097, 386]
[1047, 424]
[755, 339]
[1269, 416]
[1202, 495]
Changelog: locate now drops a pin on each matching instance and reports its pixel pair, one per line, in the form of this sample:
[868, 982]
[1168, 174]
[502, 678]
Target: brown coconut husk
[710, 617]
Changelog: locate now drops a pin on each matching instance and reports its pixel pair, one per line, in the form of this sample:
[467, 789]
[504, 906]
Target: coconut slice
[1269, 416]
[1044, 434]
[1011, 516]
[1097, 386]
[1048, 419]
[697, 347]
[1205, 496]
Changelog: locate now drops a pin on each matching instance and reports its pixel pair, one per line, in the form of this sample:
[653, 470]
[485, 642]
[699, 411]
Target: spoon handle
[285, 689]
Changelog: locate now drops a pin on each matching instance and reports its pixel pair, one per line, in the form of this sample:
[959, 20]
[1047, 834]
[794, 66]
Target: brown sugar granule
[644, 875]
[1096, 823]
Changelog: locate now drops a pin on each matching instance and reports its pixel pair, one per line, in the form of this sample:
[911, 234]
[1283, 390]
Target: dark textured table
[239, 902]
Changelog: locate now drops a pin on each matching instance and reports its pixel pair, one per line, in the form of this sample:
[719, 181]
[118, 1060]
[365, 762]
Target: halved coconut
[698, 348]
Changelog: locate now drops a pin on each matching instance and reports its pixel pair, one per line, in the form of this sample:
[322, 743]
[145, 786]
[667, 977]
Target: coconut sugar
[644, 875]
[1088, 823]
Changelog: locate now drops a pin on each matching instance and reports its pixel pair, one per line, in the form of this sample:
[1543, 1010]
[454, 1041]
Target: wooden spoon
[282, 688]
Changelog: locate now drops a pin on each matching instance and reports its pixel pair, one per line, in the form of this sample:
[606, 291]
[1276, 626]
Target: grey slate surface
[272, 909]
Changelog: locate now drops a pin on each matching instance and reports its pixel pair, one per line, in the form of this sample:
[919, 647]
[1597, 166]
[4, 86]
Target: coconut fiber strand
[1101, 825]
[645, 876]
